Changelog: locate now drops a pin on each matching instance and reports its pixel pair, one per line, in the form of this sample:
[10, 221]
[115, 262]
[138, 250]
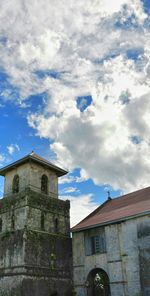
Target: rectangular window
[95, 242]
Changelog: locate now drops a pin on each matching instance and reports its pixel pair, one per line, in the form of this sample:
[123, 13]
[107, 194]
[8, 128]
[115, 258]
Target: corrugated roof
[35, 158]
[118, 209]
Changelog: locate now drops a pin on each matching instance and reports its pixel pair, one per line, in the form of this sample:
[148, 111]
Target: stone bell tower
[35, 244]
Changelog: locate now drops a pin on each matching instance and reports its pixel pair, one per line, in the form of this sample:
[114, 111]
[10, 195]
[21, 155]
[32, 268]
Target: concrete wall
[126, 261]
[30, 176]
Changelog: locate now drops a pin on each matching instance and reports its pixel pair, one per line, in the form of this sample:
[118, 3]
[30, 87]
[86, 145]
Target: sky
[75, 88]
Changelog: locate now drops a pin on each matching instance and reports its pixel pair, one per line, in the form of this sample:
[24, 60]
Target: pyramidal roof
[118, 209]
[37, 159]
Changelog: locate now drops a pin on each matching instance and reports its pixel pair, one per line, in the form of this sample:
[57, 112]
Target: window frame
[44, 184]
[42, 221]
[95, 242]
[56, 225]
[15, 184]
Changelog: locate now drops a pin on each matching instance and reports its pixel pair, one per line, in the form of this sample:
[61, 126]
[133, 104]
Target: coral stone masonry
[111, 248]
[35, 243]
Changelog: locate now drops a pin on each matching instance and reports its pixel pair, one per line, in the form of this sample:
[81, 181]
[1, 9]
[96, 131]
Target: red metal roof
[118, 209]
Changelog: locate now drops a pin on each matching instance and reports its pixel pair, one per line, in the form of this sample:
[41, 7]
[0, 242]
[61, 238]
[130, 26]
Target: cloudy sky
[75, 88]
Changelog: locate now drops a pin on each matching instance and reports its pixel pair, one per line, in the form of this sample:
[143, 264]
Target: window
[42, 221]
[15, 186]
[13, 220]
[56, 225]
[95, 242]
[44, 184]
[1, 225]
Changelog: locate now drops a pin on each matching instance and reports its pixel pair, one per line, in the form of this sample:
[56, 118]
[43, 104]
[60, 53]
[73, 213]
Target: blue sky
[75, 88]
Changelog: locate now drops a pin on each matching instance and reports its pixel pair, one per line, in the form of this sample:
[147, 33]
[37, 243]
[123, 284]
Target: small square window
[95, 244]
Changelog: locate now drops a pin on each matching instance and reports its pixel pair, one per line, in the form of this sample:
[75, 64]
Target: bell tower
[35, 243]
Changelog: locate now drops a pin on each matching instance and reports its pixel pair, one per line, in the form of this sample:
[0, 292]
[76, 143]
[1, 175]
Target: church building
[111, 248]
[35, 243]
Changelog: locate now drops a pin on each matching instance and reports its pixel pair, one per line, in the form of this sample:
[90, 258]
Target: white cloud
[81, 206]
[99, 140]
[69, 190]
[89, 47]
[67, 179]
[2, 159]
[12, 148]
[71, 179]
[62, 36]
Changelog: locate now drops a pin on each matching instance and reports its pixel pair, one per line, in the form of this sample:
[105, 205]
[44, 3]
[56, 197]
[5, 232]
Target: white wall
[121, 261]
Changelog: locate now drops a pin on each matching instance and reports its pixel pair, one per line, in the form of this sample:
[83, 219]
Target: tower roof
[33, 157]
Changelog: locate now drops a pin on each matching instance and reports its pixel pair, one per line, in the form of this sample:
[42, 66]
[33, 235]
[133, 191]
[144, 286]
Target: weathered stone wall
[45, 286]
[47, 253]
[11, 252]
[126, 261]
[124, 264]
[39, 260]
[143, 227]
[24, 175]
[26, 208]
[30, 176]
[36, 172]
[21, 285]
[13, 212]
[51, 209]
[11, 285]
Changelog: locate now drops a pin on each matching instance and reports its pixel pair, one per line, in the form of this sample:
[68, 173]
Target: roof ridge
[94, 212]
[131, 193]
[117, 209]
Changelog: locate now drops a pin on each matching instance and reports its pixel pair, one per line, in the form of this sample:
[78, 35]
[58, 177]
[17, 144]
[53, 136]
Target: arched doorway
[98, 283]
